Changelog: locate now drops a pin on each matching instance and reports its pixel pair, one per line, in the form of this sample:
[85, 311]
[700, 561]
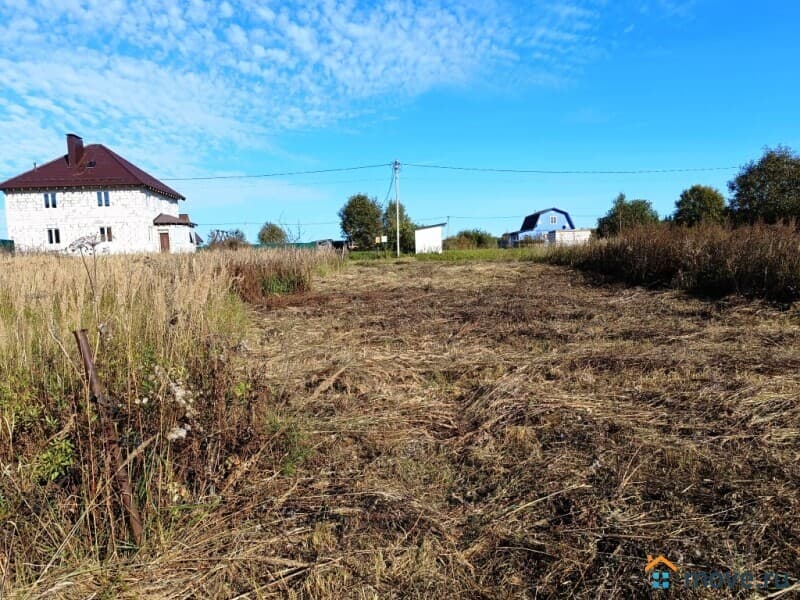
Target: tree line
[363, 222]
[765, 191]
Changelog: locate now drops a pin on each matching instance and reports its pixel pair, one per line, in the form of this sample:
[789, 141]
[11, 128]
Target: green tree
[407, 227]
[361, 220]
[699, 204]
[624, 215]
[270, 233]
[767, 190]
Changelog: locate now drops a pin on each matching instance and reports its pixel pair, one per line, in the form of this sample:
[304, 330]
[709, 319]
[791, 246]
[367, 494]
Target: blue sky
[228, 87]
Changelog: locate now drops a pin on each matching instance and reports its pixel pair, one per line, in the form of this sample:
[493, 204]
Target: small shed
[429, 239]
[569, 237]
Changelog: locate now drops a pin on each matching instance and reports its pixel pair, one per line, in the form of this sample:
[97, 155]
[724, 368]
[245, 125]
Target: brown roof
[91, 166]
[164, 219]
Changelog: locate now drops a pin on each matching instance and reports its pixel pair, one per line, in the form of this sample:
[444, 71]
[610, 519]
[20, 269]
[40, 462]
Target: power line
[329, 182]
[489, 218]
[246, 223]
[455, 168]
[283, 174]
[396, 169]
[389, 191]
[497, 217]
[418, 219]
[571, 172]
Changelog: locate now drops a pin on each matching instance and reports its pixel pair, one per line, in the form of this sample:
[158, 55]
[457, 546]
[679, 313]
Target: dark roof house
[92, 192]
[536, 226]
[531, 222]
[89, 166]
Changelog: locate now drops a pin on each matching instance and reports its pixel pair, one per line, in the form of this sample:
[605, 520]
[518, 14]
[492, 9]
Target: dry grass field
[488, 430]
[476, 430]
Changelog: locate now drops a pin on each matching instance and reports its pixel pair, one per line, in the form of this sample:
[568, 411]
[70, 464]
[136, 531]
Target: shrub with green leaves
[469, 239]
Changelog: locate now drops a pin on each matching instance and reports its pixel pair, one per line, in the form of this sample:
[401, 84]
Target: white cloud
[303, 39]
[183, 81]
[237, 36]
[265, 13]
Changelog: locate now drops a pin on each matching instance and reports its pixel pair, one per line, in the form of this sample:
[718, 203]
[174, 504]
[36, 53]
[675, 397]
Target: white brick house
[92, 191]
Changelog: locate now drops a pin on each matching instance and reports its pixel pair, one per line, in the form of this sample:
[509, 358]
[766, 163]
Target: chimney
[74, 149]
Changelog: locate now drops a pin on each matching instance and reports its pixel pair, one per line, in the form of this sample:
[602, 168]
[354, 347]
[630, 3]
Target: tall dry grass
[758, 261]
[168, 333]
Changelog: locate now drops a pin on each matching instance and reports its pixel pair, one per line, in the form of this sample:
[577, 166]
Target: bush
[713, 260]
[257, 274]
[232, 239]
[469, 239]
[270, 233]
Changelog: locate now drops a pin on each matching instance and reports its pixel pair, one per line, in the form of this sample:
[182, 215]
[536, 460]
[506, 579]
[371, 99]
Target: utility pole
[396, 166]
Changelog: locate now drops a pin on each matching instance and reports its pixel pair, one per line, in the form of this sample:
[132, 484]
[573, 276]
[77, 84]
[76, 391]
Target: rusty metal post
[103, 402]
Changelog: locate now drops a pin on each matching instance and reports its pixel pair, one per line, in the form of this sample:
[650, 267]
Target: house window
[105, 234]
[50, 200]
[102, 199]
[53, 236]
[553, 219]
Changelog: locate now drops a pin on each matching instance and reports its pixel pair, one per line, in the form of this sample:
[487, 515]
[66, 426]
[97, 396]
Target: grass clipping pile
[496, 430]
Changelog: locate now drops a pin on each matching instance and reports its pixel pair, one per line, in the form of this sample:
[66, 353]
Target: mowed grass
[536, 252]
[508, 430]
[466, 430]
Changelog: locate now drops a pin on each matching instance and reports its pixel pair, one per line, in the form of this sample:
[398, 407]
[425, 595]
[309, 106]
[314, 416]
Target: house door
[164, 238]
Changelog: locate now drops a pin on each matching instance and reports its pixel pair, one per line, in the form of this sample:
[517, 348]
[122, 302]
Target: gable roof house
[536, 226]
[93, 191]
